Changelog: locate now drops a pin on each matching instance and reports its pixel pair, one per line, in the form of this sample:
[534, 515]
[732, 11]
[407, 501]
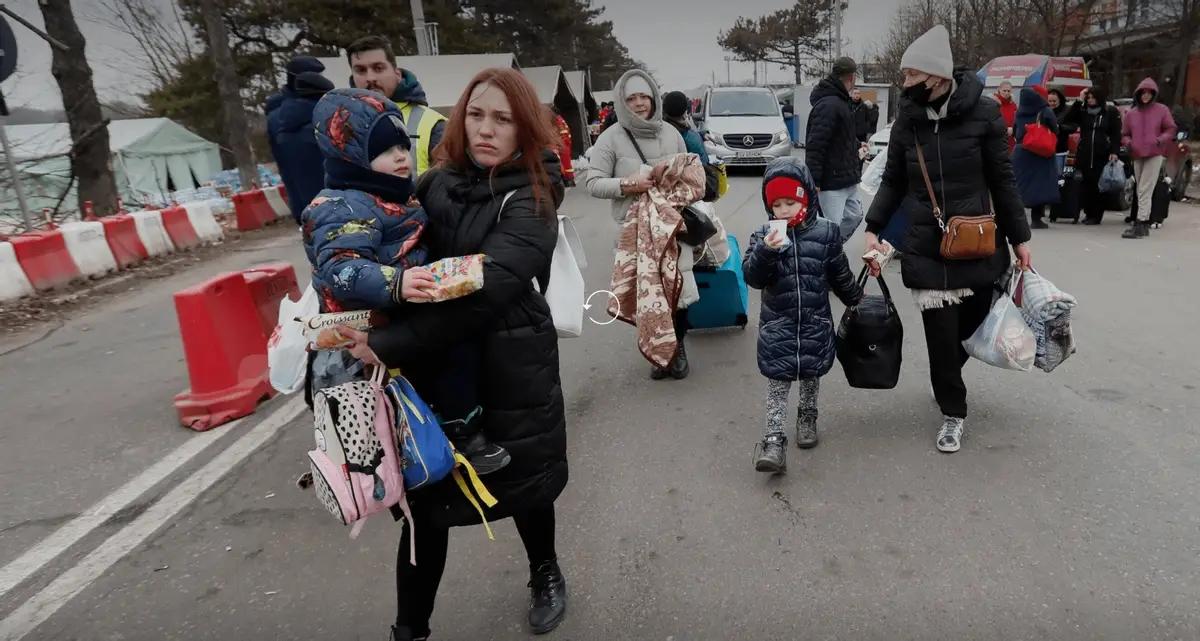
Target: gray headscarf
[640, 128]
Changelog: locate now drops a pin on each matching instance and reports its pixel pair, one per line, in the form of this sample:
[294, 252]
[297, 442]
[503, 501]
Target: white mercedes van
[743, 126]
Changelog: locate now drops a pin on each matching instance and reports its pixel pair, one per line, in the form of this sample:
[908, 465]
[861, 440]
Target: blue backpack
[426, 454]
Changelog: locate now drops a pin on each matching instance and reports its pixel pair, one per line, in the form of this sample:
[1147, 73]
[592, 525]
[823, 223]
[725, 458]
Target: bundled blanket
[1047, 310]
[647, 278]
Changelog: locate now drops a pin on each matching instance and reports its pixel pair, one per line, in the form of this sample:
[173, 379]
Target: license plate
[747, 154]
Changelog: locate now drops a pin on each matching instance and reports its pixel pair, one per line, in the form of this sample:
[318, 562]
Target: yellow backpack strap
[483, 493]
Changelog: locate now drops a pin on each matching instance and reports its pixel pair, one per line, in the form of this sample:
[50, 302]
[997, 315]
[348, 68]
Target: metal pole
[837, 33]
[418, 18]
[12, 172]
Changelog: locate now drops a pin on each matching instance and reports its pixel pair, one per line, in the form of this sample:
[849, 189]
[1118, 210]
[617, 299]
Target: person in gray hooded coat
[619, 170]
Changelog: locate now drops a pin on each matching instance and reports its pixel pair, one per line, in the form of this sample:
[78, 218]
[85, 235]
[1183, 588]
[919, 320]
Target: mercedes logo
[748, 141]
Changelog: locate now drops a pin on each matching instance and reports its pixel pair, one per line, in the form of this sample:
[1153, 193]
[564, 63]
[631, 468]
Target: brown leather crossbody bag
[963, 237]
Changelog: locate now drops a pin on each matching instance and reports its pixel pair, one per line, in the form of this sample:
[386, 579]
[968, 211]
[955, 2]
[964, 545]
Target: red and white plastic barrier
[88, 248]
[277, 201]
[121, 233]
[200, 214]
[44, 258]
[13, 281]
[152, 233]
[179, 228]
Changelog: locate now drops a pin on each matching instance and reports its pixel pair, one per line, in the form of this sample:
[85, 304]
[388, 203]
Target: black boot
[680, 367]
[1091, 220]
[1137, 229]
[547, 597]
[403, 633]
[1038, 223]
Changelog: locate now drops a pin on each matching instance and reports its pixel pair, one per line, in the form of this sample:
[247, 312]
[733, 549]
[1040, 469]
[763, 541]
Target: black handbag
[870, 339]
[697, 226]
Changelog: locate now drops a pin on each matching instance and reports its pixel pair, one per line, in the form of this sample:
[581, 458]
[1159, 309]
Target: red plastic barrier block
[226, 352]
[268, 285]
[179, 228]
[123, 240]
[44, 257]
[283, 193]
[246, 211]
[266, 213]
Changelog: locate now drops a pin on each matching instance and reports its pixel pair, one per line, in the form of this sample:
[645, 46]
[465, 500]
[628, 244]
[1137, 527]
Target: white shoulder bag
[564, 291]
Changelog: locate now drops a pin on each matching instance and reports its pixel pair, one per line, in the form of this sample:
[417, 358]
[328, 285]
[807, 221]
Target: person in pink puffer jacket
[1146, 131]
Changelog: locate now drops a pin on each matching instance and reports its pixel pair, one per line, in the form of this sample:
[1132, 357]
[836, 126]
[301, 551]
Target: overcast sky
[676, 38]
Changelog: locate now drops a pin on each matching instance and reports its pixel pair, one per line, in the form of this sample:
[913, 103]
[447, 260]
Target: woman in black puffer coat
[964, 143]
[496, 143]
[795, 331]
[1099, 142]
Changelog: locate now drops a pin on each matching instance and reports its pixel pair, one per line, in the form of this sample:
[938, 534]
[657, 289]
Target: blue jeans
[843, 208]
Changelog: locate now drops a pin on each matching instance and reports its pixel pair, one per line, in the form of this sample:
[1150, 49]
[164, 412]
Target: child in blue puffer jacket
[795, 270]
[362, 235]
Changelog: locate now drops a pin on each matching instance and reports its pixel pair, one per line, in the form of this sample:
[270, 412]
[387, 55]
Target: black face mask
[918, 93]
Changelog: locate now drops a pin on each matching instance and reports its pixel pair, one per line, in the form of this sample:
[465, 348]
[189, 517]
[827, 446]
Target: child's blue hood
[792, 167]
[343, 120]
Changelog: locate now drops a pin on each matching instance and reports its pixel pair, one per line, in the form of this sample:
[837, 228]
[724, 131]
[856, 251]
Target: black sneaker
[1137, 230]
[485, 456]
[772, 454]
[680, 367]
[547, 597]
[1091, 221]
[1038, 223]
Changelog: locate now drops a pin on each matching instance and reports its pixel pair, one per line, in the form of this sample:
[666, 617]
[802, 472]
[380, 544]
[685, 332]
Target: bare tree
[91, 160]
[162, 41]
[236, 129]
[1183, 19]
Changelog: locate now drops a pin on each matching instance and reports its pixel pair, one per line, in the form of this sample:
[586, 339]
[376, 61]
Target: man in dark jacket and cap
[866, 116]
[373, 67]
[832, 148]
[290, 132]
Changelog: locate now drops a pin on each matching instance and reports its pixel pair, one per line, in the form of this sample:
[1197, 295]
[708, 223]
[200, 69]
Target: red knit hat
[784, 187]
[1042, 91]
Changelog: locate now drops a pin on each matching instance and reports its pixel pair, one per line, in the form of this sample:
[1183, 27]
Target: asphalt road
[1072, 512]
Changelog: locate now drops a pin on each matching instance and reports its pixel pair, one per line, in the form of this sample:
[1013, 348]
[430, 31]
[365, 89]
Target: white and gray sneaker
[949, 438]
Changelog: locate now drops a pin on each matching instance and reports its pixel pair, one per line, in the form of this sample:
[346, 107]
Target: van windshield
[742, 103]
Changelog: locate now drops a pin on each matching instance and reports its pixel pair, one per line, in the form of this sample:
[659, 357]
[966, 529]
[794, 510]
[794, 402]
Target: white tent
[554, 90]
[442, 77]
[151, 157]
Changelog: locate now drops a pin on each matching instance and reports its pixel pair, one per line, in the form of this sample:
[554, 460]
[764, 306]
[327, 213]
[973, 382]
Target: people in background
[1147, 130]
[1036, 176]
[675, 113]
[1099, 142]
[1008, 110]
[373, 67]
[866, 116]
[832, 148]
[290, 132]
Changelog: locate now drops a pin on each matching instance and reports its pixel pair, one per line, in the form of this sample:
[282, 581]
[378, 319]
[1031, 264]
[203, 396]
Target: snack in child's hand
[322, 332]
[455, 277]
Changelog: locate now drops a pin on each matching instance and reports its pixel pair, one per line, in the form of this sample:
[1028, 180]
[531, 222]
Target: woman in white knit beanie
[964, 143]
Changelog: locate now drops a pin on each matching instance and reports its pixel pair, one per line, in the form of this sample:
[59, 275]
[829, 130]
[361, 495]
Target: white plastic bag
[1112, 179]
[1004, 339]
[564, 292]
[872, 176]
[287, 349]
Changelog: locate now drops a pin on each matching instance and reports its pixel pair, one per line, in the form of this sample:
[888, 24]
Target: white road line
[44, 604]
[49, 548]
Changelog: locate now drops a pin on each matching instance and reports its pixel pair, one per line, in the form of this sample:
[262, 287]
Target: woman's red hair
[534, 134]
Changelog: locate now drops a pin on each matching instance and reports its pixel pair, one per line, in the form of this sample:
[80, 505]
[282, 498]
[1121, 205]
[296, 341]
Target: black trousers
[417, 586]
[681, 324]
[1038, 212]
[1091, 199]
[945, 330]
